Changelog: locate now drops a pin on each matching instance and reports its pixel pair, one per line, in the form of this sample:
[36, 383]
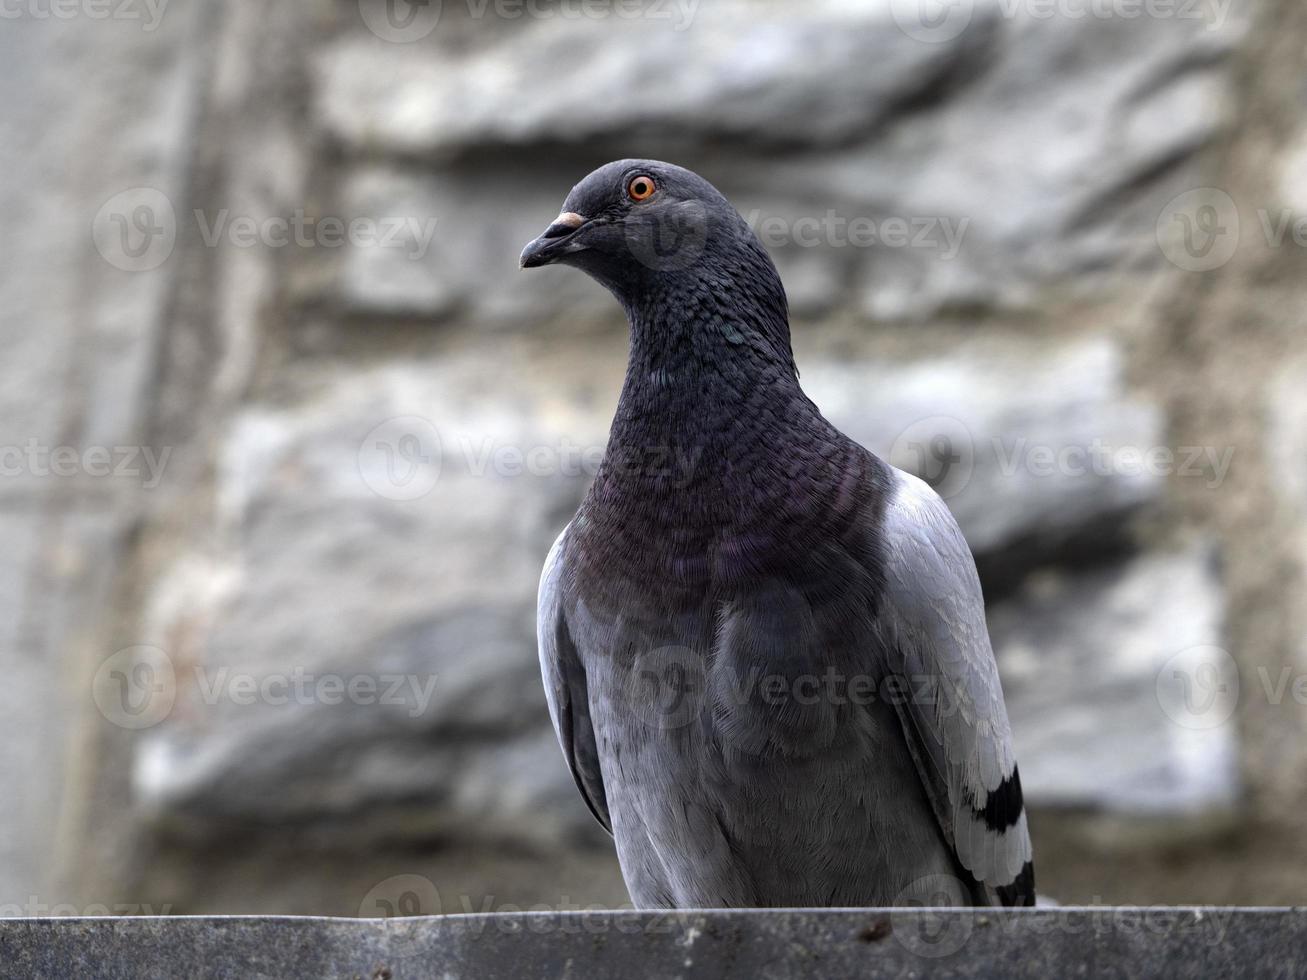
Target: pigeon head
[635, 221]
[663, 240]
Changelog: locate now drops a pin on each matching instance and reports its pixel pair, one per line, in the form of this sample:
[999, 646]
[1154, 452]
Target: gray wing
[954, 716]
[565, 687]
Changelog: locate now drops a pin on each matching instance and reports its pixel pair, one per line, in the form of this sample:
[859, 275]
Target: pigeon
[763, 648]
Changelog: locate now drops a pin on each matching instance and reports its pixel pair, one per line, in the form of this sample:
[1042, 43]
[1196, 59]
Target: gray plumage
[764, 649]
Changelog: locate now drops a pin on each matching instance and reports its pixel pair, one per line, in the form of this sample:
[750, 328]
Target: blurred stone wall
[1046, 254]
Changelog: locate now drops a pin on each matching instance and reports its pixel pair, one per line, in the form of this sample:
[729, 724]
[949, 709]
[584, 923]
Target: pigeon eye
[641, 188]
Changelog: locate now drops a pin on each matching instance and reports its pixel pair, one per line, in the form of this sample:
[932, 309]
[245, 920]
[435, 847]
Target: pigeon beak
[556, 241]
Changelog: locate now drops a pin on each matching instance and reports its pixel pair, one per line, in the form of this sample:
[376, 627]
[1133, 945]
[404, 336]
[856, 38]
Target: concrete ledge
[749, 945]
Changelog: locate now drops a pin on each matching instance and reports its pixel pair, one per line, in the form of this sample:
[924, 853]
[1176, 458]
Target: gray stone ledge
[750, 945]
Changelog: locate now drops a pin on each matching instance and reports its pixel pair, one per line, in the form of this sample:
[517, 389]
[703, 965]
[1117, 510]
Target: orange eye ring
[641, 188]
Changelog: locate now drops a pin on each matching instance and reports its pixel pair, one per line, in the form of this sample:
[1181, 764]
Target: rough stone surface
[858, 120]
[440, 492]
[1286, 408]
[817, 77]
[1104, 942]
[80, 334]
[1089, 662]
